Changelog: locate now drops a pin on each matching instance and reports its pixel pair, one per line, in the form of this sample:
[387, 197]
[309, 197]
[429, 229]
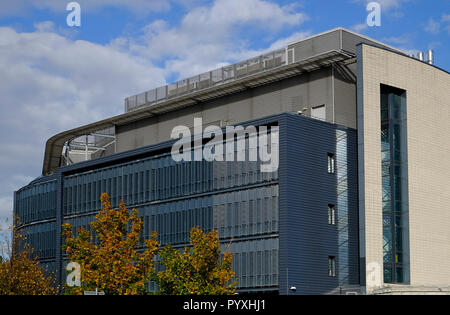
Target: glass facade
[235, 198]
[394, 185]
[35, 209]
[36, 202]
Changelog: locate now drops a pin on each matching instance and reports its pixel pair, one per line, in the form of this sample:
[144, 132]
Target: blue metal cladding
[35, 210]
[234, 198]
[36, 202]
[155, 179]
[306, 189]
[275, 224]
[41, 238]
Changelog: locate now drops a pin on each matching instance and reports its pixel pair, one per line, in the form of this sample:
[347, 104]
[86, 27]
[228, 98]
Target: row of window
[255, 263]
[37, 202]
[41, 239]
[156, 179]
[248, 212]
[82, 222]
[235, 214]
[331, 167]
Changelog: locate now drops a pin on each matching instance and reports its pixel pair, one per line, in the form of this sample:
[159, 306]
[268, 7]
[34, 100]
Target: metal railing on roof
[209, 79]
[88, 144]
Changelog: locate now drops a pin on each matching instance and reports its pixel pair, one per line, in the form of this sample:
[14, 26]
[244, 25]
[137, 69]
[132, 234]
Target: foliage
[113, 264]
[199, 269]
[20, 272]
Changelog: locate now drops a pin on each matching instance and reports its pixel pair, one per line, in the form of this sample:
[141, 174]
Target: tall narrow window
[331, 215]
[394, 165]
[332, 266]
[331, 163]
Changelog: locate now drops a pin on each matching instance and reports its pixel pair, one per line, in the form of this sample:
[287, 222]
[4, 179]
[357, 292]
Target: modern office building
[356, 203]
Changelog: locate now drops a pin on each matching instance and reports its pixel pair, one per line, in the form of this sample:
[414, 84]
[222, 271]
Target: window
[331, 163]
[332, 266]
[331, 215]
[395, 202]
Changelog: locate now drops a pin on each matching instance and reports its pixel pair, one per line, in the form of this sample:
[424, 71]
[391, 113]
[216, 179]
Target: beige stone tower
[424, 259]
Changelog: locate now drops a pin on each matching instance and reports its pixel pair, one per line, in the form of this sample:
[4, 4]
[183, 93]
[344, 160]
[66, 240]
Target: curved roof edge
[54, 145]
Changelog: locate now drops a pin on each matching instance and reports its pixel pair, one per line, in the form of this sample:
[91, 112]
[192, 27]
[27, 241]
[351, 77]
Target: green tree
[199, 269]
[114, 265]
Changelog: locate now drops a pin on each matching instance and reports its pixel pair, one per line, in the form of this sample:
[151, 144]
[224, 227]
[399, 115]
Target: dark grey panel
[345, 97]
[289, 95]
[316, 45]
[306, 189]
[350, 41]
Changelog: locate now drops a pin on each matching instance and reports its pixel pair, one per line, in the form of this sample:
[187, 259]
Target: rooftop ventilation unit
[420, 56]
[430, 57]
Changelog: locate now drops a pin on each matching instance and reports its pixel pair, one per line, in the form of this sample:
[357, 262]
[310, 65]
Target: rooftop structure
[307, 55]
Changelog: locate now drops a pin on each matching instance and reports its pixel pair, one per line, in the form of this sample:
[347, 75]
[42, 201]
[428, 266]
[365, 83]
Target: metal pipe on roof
[420, 56]
[430, 57]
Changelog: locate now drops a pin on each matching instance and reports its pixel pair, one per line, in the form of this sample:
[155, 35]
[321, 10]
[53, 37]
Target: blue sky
[54, 77]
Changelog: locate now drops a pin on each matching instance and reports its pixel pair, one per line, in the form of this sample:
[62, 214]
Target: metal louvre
[269, 65]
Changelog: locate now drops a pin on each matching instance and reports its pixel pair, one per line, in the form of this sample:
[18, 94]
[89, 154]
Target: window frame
[331, 163]
[332, 266]
[331, 214]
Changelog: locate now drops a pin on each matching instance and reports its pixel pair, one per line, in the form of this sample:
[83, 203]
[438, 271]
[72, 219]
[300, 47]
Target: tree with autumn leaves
[115, 265]
[198, 269]
[20, 271]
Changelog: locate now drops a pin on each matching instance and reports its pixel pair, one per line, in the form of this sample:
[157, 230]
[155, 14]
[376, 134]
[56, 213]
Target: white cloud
[359, 27]
[49, 84]
[278, 44]
[45, 27]
[446, 22]
[433, 26]
[205, 38]
[23, 7]
[399, 40]
[53, 83]
[392, 8]
[386, 4]
[404, 42]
